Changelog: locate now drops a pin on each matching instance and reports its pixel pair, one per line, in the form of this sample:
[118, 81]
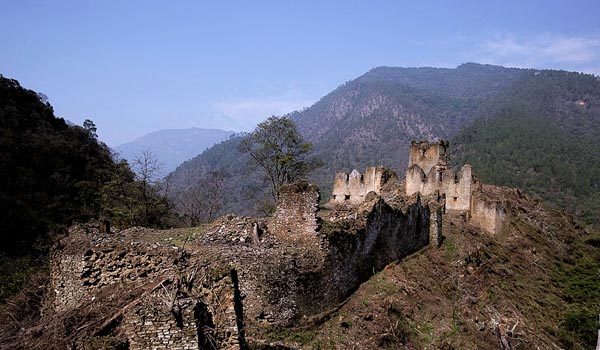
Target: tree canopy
[277, 148]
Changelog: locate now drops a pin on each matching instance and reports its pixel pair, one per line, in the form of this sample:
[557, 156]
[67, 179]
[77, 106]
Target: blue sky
[139, 66]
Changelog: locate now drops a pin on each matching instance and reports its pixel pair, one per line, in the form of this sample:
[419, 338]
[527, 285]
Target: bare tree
[146, 167]
[147, 170]
[202, 202]
[190, 204]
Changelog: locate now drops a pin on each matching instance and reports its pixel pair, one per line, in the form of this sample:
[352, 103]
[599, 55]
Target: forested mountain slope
[51, 172]
[372, 119]
[541, 135]
[533, 129]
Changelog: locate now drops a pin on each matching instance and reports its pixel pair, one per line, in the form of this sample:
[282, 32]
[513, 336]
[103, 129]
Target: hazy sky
[138, 66]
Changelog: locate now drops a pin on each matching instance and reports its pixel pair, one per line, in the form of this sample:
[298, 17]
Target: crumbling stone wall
[168, 300]
[359, 247]
[204, 317]
[458, 190]
[487, 213]
[353, 188]
[295, 215]
[426, 155]
[77, 277]
[353, 242]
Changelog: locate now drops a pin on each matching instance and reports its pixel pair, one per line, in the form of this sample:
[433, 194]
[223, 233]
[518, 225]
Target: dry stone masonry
[207, 288]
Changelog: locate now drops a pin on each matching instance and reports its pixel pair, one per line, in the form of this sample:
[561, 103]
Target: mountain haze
[173, 146]
[372, 119]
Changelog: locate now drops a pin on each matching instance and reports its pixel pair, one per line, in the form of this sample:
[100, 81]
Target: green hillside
[541, 135]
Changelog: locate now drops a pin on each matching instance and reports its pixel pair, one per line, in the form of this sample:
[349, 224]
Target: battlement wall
[456, 188]
[352, 188]
[429, 172]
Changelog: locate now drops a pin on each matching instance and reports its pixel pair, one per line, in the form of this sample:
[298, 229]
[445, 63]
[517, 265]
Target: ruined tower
[427, 155]
[429, 172]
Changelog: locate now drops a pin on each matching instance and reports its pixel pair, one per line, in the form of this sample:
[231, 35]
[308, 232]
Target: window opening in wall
[455, 198]
[334, 196]
[346, 197]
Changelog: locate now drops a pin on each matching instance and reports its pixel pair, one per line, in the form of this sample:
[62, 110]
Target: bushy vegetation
[579, 278]
[51, 172]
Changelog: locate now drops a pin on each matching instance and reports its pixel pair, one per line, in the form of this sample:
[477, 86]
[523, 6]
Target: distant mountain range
[532, 129]
[173, 146]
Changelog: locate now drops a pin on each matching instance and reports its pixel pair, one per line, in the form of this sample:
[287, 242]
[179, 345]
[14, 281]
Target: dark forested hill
[51, 172]
[533, 129]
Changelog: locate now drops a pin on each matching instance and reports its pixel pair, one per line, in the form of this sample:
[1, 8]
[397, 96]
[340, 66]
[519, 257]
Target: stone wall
[295, 212]
[458, 189]
[352, 189]
[154, 325]
[200, 318]
[435, 224]
[426, 155]
[66, 288]
[487, 214]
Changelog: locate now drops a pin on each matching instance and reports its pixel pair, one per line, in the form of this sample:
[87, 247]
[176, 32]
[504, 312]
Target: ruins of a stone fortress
[240, 275]
[429, 174]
